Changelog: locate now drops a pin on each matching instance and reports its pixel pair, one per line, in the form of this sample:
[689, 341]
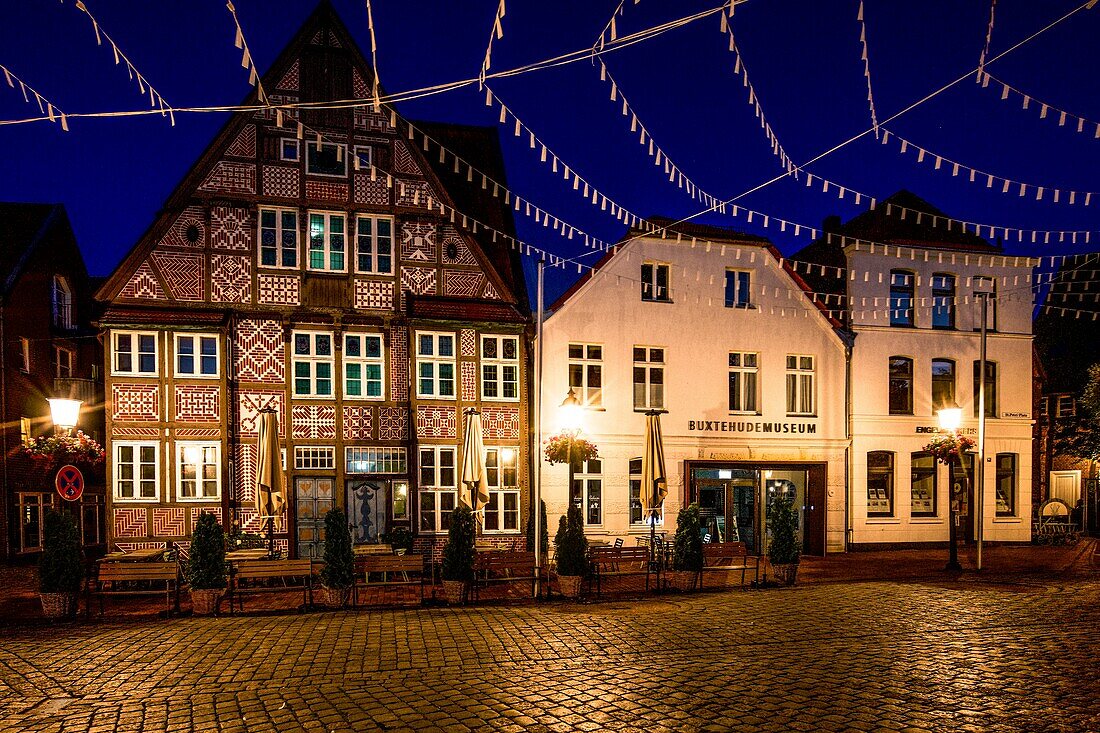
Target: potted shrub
[338, 575]
[458, 555]
[400, 539]
[571, 548]
[783, 551]
[544, 531]
[206, 565]
[61, 568]
[687, 549]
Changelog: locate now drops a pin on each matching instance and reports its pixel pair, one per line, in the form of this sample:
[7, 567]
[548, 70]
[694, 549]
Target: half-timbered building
[328, 263]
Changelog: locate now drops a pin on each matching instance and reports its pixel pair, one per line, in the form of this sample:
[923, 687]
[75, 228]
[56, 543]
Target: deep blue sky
[803, 57]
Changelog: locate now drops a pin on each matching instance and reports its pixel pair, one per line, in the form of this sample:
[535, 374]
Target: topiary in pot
[458, 555]
[338, 575]
[60, 569]
[206, 565]
[783, 551]
[544, 531]
[687, 549]
[399, 538]
[571, 552]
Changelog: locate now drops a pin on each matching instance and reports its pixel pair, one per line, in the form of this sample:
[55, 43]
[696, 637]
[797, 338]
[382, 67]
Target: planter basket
[336, 597]
[785, 574]
[681, 580]
[454, 591]
[570, 585]
[204, 601]
[59, 605]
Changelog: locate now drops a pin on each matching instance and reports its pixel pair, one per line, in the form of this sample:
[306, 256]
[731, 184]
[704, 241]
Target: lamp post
[571, 413]
[65, 413]
[950, 417]
[979, 499]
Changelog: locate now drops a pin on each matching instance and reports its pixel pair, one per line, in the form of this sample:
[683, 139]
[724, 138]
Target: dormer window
[326, 159]
[62, 303]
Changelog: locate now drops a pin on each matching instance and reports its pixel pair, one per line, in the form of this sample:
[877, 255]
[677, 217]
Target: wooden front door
[315, 498]
[814, 515]
[368, 507]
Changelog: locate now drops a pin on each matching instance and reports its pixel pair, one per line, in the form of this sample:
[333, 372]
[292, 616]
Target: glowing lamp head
[950, 417]
[65, 412]
[571, 411]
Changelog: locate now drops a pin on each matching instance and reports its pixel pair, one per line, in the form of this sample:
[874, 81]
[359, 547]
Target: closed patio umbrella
[270, 499]
[654, 486]
[475, 484]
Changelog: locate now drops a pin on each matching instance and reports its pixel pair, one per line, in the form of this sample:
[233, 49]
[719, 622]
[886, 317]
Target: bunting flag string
[495, 33]
[988, 40]
[867, 66]
[156, 101]
[45, 106]
[373, 60]
[1046, 110]
[610, 32]
[246, 56]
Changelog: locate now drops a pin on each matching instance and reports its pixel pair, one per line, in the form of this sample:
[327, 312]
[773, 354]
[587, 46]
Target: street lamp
[571, 413]
[950, 418]
[983, 297]
[65, 413]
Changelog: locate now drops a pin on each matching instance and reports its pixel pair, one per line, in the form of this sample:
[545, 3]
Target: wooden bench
[122, 579]
[503, 567]
[608, 562]
[394, 569]
[281, 570]
[729, 557]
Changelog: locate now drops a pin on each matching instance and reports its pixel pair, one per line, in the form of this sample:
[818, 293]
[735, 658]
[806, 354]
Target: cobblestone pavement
[880, 656]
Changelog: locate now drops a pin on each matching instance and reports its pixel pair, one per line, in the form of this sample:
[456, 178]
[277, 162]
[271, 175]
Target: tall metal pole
[536, 455]
[980, 473]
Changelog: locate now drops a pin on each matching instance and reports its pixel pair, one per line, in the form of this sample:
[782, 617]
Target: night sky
[803, 57]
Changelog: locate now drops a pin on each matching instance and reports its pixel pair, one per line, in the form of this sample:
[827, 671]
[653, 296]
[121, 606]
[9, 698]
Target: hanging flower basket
[49, 452]
[566, 444]
[947, 449]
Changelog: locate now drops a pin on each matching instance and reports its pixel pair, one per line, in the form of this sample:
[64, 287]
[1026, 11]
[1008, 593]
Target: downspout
[4, 432]
[849, 457]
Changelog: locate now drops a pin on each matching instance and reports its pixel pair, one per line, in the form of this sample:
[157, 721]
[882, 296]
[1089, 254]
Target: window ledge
[926, 520]
[883, 520]
[1008, 520]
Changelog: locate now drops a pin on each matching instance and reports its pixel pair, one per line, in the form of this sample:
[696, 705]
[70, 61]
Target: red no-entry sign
[69, 483]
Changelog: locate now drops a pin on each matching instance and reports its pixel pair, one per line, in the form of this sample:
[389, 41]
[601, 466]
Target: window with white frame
[1007, 476]
[502, 476]
[587, 491]
[313, 364]
[375, 460]
[327, 241]
[637, 511]
[744, 381]
[32, 510]
[655, 282]
[649, 378]
[314, 457]
[289, 149]
[63, 360]
[364, 156]
[326, 159]
[24, 354]
[880, 483]
[437, 487]
[198, 471]
[499, 368]
[586, 373]
[196, 355]
[374, 244]
[435, 365]
[278, 237]
[800, 384]
[62, 303]
[364, 366]
[738, 289]
[136, 471]
[134, 353]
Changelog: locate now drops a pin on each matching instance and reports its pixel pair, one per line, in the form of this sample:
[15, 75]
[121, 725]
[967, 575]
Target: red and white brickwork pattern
[433, 421]
[467, 341]
[198, 433]
[414, 194]
[245, 144]
[183, 272]
[374, 193]
[143, 284]
[290, 78]
[169, 522]
[393, 423]
[197, 510]
[490, 292]
[454, 244]
[135, 401]
[399, 364]
[176, 236]
[313, 422]
[469, 381]
[462, 283]
[403, 161]
[130, 522]
[230, 279]
[251, 521]
[374, 294]
[418, 280]
[230, 228]
[228, 177]
[359, 85]
[358, 421]
[281, 181]
[326, 191]
[259, 351]
[500, 423]
[134, 433]
[249, 404]
[131, 546]
[279, 290]
[198, 403]
[245, 476]
[418, 241]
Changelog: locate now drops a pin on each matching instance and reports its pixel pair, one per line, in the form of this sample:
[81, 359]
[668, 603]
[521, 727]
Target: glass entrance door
[368, 506]
[789, 485]
[314, 499]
